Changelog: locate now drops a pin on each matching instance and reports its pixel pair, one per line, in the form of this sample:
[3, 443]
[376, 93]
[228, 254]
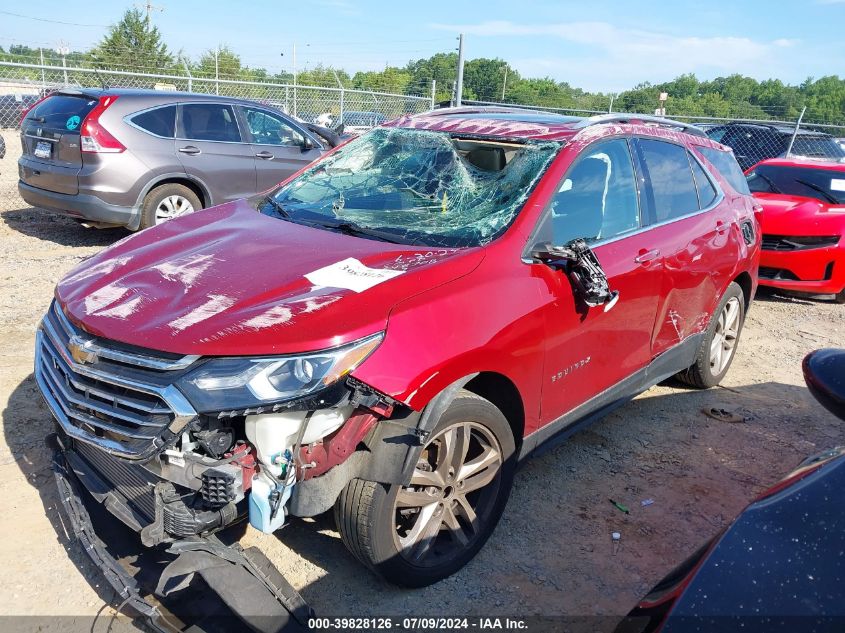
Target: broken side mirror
[588, 279]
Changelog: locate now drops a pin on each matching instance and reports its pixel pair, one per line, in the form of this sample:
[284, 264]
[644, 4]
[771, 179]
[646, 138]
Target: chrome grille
[118, 400]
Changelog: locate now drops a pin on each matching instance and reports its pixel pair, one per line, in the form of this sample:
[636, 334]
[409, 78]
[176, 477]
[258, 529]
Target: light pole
[459, 87]
[294, 76]
[294, 79]
[217, 70]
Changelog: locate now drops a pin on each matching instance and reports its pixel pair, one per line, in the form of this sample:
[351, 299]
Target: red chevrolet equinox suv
[392, 329]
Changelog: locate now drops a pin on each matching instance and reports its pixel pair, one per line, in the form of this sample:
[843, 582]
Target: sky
[598, 45]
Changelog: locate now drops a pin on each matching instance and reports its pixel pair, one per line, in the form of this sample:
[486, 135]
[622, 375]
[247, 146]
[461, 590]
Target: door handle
[721, 227]
[265, 155]
[190, 149]
[646, 256]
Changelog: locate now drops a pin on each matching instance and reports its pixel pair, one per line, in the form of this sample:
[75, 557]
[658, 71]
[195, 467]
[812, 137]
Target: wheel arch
[490, 385]
[744, 281]
[178, 178]
[503, 393]
[194, 185]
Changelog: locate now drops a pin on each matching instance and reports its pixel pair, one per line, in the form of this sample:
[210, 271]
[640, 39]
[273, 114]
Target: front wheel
[718, 348]
[421, 532]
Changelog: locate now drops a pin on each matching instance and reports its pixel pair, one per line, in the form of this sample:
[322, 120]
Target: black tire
[371, 524]
[158, 195]
[840, 298]
[702, 374]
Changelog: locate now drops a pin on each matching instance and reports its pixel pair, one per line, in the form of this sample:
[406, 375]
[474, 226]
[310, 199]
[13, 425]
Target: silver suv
[136, 158]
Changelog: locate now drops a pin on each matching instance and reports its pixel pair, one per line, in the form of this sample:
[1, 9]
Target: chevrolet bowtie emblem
[77, 346]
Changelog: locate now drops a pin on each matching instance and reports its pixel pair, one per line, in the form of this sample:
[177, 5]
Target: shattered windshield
[416, 187]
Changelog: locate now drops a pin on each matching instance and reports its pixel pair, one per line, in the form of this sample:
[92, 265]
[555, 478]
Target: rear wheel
[840, 298]
[421, 532]
[166, 202]
[718, 348]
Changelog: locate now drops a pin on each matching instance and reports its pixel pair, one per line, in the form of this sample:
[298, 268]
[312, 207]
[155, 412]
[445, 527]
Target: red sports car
[803, 222]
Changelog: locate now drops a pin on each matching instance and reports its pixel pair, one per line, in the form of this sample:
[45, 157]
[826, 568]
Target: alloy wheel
[172, 207]
[451, 495]
[723, 345]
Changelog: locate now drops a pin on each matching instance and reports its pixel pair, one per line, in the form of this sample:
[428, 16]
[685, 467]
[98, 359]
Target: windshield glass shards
[417, 186]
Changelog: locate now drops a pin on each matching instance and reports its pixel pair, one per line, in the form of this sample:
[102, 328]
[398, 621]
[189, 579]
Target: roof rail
[638, 118]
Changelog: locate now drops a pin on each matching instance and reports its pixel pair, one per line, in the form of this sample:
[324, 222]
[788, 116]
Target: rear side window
[159, 121]
[209, 122]
[726, 163]
[706, 191]
[672, 186]
[62, 112]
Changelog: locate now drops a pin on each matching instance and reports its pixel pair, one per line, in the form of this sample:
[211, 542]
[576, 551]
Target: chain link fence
[752, 139]
[21, 85]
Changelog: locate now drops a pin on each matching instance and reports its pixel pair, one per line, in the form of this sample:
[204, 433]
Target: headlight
[226, 384]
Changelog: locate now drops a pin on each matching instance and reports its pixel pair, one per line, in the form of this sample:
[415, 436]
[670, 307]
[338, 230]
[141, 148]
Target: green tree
[133, 44]
[391, 79]
[485, 78]
[825, 99]
[643, 98]
[221, 62]
[682, 87]
[442, 68]
[322, 76]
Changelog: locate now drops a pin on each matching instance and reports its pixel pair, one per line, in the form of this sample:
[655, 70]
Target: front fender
[490, 320]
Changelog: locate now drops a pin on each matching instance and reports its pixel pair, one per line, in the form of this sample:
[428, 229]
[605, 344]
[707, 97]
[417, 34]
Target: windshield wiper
[278, 207]
[769, 181]
[815, 187]
[350, 228]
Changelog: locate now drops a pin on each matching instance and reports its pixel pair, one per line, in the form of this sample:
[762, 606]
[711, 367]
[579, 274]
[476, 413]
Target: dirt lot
[552, 552]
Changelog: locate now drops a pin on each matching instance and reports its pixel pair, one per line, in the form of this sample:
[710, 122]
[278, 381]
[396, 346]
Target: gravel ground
[552, 552]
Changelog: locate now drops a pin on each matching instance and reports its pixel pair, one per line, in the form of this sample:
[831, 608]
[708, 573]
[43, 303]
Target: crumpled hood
[231, 281]
[796, 215]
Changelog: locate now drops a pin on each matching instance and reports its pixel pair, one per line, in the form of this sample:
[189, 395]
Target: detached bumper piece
[241, 585]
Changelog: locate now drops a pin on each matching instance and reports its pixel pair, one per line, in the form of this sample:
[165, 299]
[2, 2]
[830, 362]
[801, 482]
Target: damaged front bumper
[245, 581]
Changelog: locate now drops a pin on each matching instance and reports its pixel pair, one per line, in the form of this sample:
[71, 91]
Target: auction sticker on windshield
[350, 274]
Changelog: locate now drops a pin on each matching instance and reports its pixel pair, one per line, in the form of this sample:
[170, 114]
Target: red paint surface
[798, 216]
[452, 314]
